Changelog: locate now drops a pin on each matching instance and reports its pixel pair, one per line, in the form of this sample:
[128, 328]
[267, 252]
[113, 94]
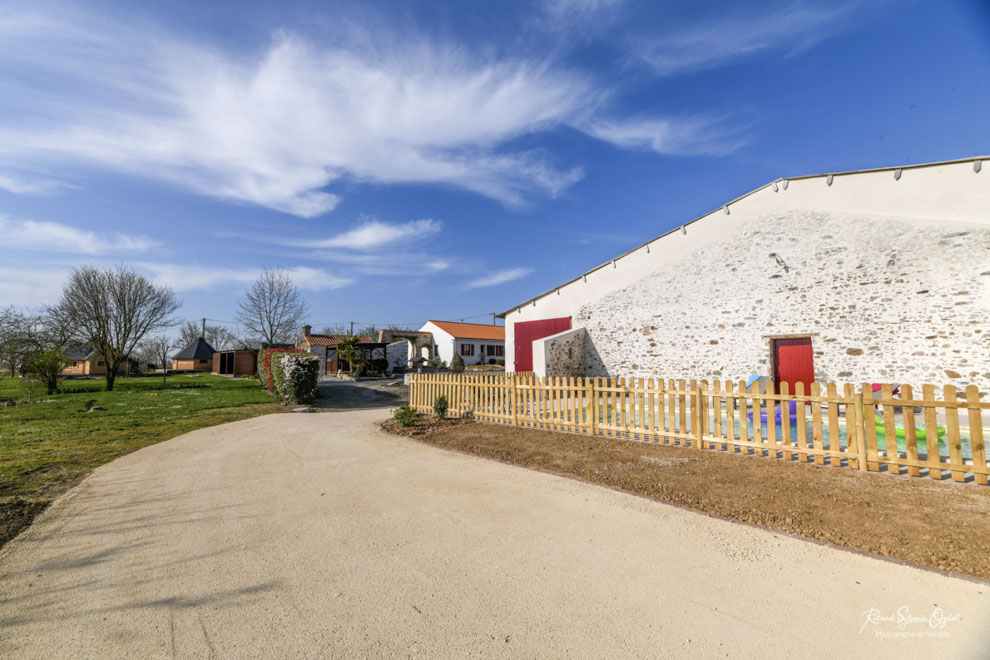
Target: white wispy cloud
[666, 136]
[282, 126]
[191, 277]
[29, 186]
[499, 277]
[31, 286]
[277, 129]
[57, 237]
[792, 27]
[371, 234]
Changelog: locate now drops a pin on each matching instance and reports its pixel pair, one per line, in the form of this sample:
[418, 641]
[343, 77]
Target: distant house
[85, 361]
[476, 343]
[196, 356]
[325, 348]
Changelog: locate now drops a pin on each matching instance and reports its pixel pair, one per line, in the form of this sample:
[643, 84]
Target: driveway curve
[320, 536]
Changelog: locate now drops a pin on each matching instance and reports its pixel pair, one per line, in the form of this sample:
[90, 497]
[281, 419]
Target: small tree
[46, 366]
[14, 329]
[114, 310]
[160, 348]
[350, 350]
[272, 307]
[440, 406]
[457, 363]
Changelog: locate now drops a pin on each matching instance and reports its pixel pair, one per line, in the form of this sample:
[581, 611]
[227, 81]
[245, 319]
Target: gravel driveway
[320, 536]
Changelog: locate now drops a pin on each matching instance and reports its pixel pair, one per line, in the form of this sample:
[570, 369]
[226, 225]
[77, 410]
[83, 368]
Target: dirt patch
[15, 515]
[423, 425]
[938, 524]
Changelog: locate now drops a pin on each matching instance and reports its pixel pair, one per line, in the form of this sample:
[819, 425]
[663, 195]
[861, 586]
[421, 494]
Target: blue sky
[407, 161]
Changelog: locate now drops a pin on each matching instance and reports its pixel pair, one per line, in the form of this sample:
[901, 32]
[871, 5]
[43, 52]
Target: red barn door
[793, 362]
[528, 331]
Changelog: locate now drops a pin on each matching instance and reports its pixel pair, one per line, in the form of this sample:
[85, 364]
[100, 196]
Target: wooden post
[870, 426]
[833, 424]
[952, 433]
[889, 429]
[816, 421]
[931, 432]
[976, 435]
[514, 400]
[859, 415]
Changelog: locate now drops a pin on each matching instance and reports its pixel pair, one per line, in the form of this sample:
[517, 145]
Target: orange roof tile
[472, 330]
[333, 340]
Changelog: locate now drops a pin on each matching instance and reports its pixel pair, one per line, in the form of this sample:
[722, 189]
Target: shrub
[265, 365]
[295, 377]
[359, 370]
[500, 363]
[457, 364]
[440, 406]
[405, 415]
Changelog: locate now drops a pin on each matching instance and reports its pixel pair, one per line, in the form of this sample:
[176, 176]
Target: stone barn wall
[563, 353]
[885, 299]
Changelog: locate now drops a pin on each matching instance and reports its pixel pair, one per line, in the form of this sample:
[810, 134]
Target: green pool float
[919, 434]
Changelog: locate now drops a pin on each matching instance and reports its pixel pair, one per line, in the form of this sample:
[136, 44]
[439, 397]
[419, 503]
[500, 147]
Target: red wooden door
[793, 362]
[528, 331]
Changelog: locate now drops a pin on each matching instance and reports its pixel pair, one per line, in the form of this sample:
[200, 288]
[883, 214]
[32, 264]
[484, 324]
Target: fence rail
[853, 428]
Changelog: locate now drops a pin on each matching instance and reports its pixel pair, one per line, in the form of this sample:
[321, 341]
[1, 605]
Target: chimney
[306, 329]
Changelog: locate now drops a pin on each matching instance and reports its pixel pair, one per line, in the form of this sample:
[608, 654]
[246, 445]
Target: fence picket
[743, 417]
[785, 423]
[976, 435]
[754, 389]
[802, 427]
[952, 433]
[772, 407]
[833, 424]
[816, 421]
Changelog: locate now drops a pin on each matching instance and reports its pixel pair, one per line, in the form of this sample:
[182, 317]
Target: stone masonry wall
[885, 299]
[565, 354]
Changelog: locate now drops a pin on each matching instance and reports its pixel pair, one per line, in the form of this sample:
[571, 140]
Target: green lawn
[47, 447]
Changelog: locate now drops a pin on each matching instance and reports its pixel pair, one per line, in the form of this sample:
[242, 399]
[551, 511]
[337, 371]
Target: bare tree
[272, 308]
[14, 327]
[114, 310]
[160, 348]
[217, 336]
[339, 329]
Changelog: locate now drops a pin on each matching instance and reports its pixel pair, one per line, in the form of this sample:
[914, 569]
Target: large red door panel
[793, 362]
[528, 331]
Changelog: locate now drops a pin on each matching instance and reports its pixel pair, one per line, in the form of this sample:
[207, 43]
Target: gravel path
[321, 536]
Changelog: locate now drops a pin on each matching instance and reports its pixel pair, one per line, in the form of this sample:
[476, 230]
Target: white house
[865, 276]
[476, 343]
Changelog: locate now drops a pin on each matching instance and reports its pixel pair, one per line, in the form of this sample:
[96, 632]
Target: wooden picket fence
[826, 425]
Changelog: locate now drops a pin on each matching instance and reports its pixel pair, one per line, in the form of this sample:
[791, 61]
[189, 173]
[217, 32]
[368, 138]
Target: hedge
[265, 365]
[295, 376]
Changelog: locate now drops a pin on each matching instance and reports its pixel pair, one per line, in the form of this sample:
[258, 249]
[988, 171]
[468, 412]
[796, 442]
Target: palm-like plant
[350, 350]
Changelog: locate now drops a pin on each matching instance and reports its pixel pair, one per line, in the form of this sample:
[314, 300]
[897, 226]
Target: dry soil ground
[939, 524]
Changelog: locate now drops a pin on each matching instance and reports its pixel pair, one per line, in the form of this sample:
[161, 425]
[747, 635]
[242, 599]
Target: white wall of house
[397, 354]
[446, 345]
[443, 341]
[887, 270]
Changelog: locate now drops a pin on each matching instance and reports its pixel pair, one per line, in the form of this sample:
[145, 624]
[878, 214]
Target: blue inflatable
[776, 413]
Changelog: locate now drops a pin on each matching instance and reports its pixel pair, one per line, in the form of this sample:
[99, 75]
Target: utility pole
[493, 318]
[352, 329]
[203, 333]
